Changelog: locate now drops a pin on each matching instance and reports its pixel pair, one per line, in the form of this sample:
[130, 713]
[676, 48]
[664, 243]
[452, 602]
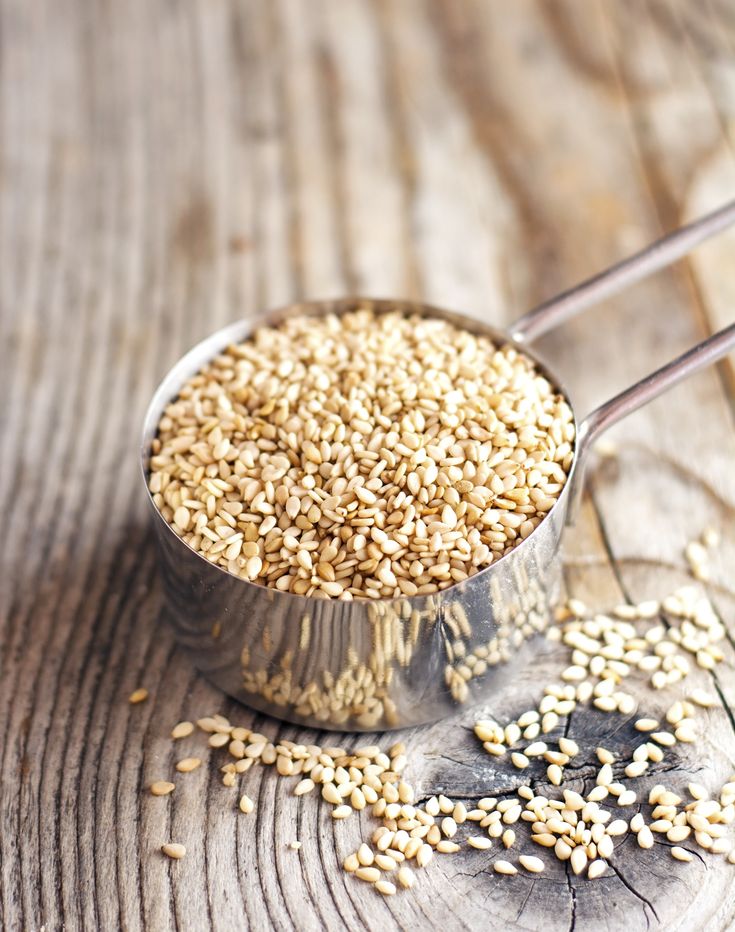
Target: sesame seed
[447, 847]
[406, 877]
[702, 698]
[646, 724]
[385, 862]
[351, 865]
[162, 788]
[182, 730]
[385, 887]
[504, 867]
[555, 774]
[246, 804]
[605, 775]
[188, 764]
[425, 854]
[578, 860]
[697, 791]
[365, 855]
[681, 854]
[480, 842]
[664, 738]
[174, 851]
[596, 869]
[711, 537]
[531, 863]
[138, 695]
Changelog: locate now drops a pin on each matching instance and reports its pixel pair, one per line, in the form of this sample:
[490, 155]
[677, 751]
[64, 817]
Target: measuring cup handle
[657, 256]
[618, 277]
[638, 395]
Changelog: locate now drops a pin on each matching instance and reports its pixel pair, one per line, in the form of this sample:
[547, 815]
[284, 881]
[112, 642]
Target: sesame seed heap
[363, 455]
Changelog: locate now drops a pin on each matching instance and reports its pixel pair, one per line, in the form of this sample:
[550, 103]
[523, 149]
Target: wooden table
[169, 167]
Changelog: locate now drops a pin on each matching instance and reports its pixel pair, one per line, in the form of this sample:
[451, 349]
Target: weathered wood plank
[167, 168]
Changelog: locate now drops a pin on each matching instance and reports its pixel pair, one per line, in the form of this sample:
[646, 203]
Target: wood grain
[166, 168]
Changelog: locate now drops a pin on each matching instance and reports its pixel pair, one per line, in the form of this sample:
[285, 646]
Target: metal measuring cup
[366, 665]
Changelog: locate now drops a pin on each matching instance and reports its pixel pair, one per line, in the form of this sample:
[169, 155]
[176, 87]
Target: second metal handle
[657, 256]
[699, 357]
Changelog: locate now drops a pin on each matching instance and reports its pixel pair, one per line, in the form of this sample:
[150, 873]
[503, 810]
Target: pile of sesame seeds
[662, 641]
[361, 456]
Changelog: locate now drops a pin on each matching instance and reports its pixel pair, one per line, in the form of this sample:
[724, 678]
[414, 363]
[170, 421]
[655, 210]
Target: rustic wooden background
[168, 167]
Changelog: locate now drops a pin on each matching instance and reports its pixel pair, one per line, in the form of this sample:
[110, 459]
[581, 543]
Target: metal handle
[638, 395]
[657, 256]
[654, 257]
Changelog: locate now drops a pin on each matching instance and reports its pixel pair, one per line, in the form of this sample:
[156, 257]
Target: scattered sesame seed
[578, 859]
[480, 842]
[646, 724]
[303, 786]
[531, 863]
[174, 851]
[138, 695]
[697, 791]
[681, 854]
[711, 537]
[406, 877]
[596, 869]
[447, 847]
[188, 764]
[575, 827]
[385, 887]
[702, 698]
[182, 730]
[555, 774]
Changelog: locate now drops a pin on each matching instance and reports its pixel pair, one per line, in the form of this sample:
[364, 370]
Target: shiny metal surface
[369, 665]
[366, 664]
[654, 257]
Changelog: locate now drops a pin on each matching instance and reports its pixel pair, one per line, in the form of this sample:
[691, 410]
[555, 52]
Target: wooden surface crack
[639, 896]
